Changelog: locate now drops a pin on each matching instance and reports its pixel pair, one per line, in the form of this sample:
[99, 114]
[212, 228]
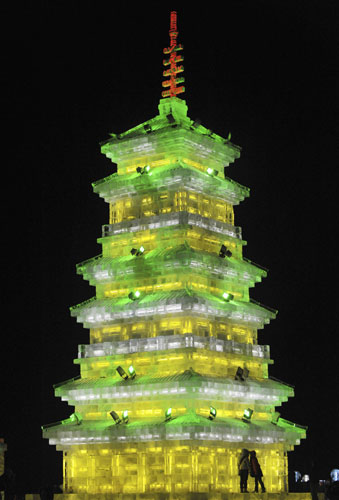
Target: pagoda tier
[101, 270]
[261, 391]
[160, 189]
[186, 429]
[174, 341]
[167, 138]
[173, 371]
[96, 313]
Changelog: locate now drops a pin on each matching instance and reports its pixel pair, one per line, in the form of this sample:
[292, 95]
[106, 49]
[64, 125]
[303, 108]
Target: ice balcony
[170, 342]
[170, 220]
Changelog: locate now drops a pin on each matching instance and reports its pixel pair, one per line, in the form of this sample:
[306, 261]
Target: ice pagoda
[173, 383]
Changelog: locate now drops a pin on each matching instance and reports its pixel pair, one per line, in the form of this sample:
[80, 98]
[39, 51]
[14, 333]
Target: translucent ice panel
[164, 202]
[171, 219]
[99, 312]
[170, 343]
[174, 177]
[198, 238]
[187, 384]
[170, 361]
[170, 142]
[175, 325]
[175, 468]
[183, 428]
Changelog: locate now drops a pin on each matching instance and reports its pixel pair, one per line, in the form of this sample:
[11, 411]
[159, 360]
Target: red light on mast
[174, 58]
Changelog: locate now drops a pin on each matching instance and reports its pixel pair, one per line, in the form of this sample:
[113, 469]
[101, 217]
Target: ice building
[173, 383]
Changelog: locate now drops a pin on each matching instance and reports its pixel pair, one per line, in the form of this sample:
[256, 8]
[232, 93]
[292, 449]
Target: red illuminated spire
[174, 58]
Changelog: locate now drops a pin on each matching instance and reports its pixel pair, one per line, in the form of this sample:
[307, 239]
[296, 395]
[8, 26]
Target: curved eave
[178, 110]
[265, 392]
[171, 177]
[188, 428]
[178, 259]
[178, 137]
[99, 312]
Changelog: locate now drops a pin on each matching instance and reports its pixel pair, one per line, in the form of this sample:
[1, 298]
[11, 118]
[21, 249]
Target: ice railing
[167, 342]
[168, 220]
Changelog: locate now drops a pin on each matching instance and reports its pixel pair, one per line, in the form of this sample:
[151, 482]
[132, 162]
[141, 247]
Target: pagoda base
[187, 496]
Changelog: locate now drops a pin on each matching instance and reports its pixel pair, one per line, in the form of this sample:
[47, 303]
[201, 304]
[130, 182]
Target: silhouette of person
[243, 468]
[256, 472]
[8, 484]
[314, 479]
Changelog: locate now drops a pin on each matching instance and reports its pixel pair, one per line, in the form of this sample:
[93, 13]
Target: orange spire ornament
[174, 58]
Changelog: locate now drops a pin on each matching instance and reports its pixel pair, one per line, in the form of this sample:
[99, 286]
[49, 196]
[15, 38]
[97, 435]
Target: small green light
[247, 414]
[137, 252]
[168, 414]
[125, 417]
[134, 295]
[144, 170]
[212, 171]
[131, 372]
[213, 413]
[227, 296]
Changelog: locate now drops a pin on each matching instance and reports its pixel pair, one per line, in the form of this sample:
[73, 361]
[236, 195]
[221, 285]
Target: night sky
[262, 69]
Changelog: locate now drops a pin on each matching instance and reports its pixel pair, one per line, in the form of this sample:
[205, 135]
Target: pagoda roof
[171, 121]
[188, 427]
[102, 269]
[171, 176]
[96, 312]
[152, 387]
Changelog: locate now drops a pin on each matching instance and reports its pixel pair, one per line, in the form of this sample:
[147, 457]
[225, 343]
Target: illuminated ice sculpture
[173, 383]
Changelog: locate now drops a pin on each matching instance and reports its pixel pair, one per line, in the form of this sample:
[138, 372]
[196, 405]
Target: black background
[264, 70]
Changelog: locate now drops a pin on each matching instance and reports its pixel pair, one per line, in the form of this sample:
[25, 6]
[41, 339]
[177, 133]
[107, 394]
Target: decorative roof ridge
[192, 296]
[171, 115]
[181, 251]
[180, 376]
[179, 164]
[189, 418]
